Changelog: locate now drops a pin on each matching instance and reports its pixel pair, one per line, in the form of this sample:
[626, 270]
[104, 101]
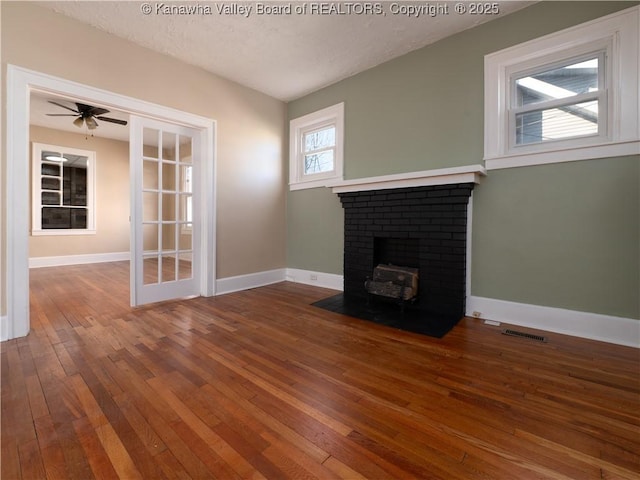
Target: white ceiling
[285, 56]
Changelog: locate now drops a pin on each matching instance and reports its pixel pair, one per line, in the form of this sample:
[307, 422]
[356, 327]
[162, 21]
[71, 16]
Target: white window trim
[333, 115]
[618, 34]
[36, 205]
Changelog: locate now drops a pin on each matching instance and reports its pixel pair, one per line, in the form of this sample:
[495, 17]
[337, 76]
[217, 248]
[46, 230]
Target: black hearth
[422, 227]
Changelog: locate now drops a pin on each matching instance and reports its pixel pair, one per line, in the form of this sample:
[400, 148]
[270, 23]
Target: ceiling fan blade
[112, 120]
[63, 106]
[61, 114]
[91, 110]
[78, 122]
[95, 111]
[91, 123]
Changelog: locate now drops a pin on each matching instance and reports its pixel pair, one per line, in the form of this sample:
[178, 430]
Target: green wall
[564, 235]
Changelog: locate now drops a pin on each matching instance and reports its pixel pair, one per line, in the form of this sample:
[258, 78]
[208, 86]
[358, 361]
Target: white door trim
[20, 83]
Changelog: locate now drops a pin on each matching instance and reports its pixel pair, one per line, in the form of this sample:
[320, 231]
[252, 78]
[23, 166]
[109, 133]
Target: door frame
[20, 83]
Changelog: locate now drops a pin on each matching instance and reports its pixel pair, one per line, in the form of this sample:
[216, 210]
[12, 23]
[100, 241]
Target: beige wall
[112, 197]
[250, 126]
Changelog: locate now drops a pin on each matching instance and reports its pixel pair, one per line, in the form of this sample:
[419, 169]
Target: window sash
[314, 130]
[599, 95]
[313, 153]
[599, 54]
[304, 153]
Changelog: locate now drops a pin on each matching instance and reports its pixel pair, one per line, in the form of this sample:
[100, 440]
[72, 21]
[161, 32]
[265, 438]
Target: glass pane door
[166, 226]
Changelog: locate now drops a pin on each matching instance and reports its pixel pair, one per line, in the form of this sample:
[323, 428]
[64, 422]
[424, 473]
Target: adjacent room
[320, 240]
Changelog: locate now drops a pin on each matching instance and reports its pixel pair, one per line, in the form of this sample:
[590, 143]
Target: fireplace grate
[515, 333]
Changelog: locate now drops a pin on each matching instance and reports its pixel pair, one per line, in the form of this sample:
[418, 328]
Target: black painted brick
[435, 216]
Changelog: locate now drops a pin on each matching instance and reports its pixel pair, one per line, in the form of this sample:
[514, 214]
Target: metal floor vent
[515, 333]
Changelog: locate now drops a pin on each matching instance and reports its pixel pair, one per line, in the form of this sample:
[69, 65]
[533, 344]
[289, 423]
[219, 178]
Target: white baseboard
[38, 262]
[251, 280]
[604, 328]
[260, 279]
[317, 279]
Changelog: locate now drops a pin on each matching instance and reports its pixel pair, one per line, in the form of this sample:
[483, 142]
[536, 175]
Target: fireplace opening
[396, 251]
[394, 256]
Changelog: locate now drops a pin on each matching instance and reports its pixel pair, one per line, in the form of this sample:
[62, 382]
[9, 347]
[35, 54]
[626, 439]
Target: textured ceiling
[285, 56]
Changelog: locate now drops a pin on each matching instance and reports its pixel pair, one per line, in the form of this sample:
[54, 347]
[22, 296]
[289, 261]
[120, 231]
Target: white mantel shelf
[441, 176]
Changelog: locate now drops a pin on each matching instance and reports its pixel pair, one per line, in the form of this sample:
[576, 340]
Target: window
[568, 96]
[559, 102]
[63, 190]
[319, 149]
[316, 144]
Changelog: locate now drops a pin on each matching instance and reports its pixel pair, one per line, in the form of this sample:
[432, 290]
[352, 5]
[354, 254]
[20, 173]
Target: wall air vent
[515, 333]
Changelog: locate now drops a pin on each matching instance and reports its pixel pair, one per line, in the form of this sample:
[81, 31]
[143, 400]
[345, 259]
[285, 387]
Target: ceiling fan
[86, 114]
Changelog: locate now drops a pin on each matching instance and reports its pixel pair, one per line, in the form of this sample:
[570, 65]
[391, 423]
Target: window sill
[318, 183]
[61, 232]
[586, 152]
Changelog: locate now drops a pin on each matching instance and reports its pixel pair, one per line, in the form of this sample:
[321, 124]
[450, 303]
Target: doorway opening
[21, 83]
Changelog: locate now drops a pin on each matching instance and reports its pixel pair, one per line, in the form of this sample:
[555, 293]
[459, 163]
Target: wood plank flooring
[259, 384]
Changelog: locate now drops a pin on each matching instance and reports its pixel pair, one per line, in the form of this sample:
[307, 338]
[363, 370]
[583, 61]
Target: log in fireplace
[395, 282]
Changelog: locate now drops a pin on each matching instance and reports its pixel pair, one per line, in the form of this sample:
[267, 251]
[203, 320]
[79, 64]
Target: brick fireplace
[424, 227]
[419, 220]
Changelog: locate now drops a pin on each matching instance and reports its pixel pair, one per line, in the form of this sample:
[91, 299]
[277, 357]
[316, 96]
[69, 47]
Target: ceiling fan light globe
[78, 122]
[91, 123]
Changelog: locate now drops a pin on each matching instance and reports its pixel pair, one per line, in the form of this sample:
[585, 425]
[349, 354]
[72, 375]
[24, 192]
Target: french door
[164, 215]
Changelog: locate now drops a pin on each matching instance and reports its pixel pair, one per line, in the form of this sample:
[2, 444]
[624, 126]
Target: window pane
[319, 139]
[185, 144]
[149, 206]
[150, 139]
[56, 218]
[169, 207]
[150, 268]
[169, 176]
[185, 179]
[150, 234]
[169, 146]
[150, 175]
[186, 209]
[74, 185]
[50, 183]
[78, 218]
[51, 170]
[169, 269]
[185, 270]
[563, 82]
[557, 123]
[318, 162]
[168, 237]
[50, 198]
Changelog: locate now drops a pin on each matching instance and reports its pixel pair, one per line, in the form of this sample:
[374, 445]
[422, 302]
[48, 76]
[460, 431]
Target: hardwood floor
[259, 384]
